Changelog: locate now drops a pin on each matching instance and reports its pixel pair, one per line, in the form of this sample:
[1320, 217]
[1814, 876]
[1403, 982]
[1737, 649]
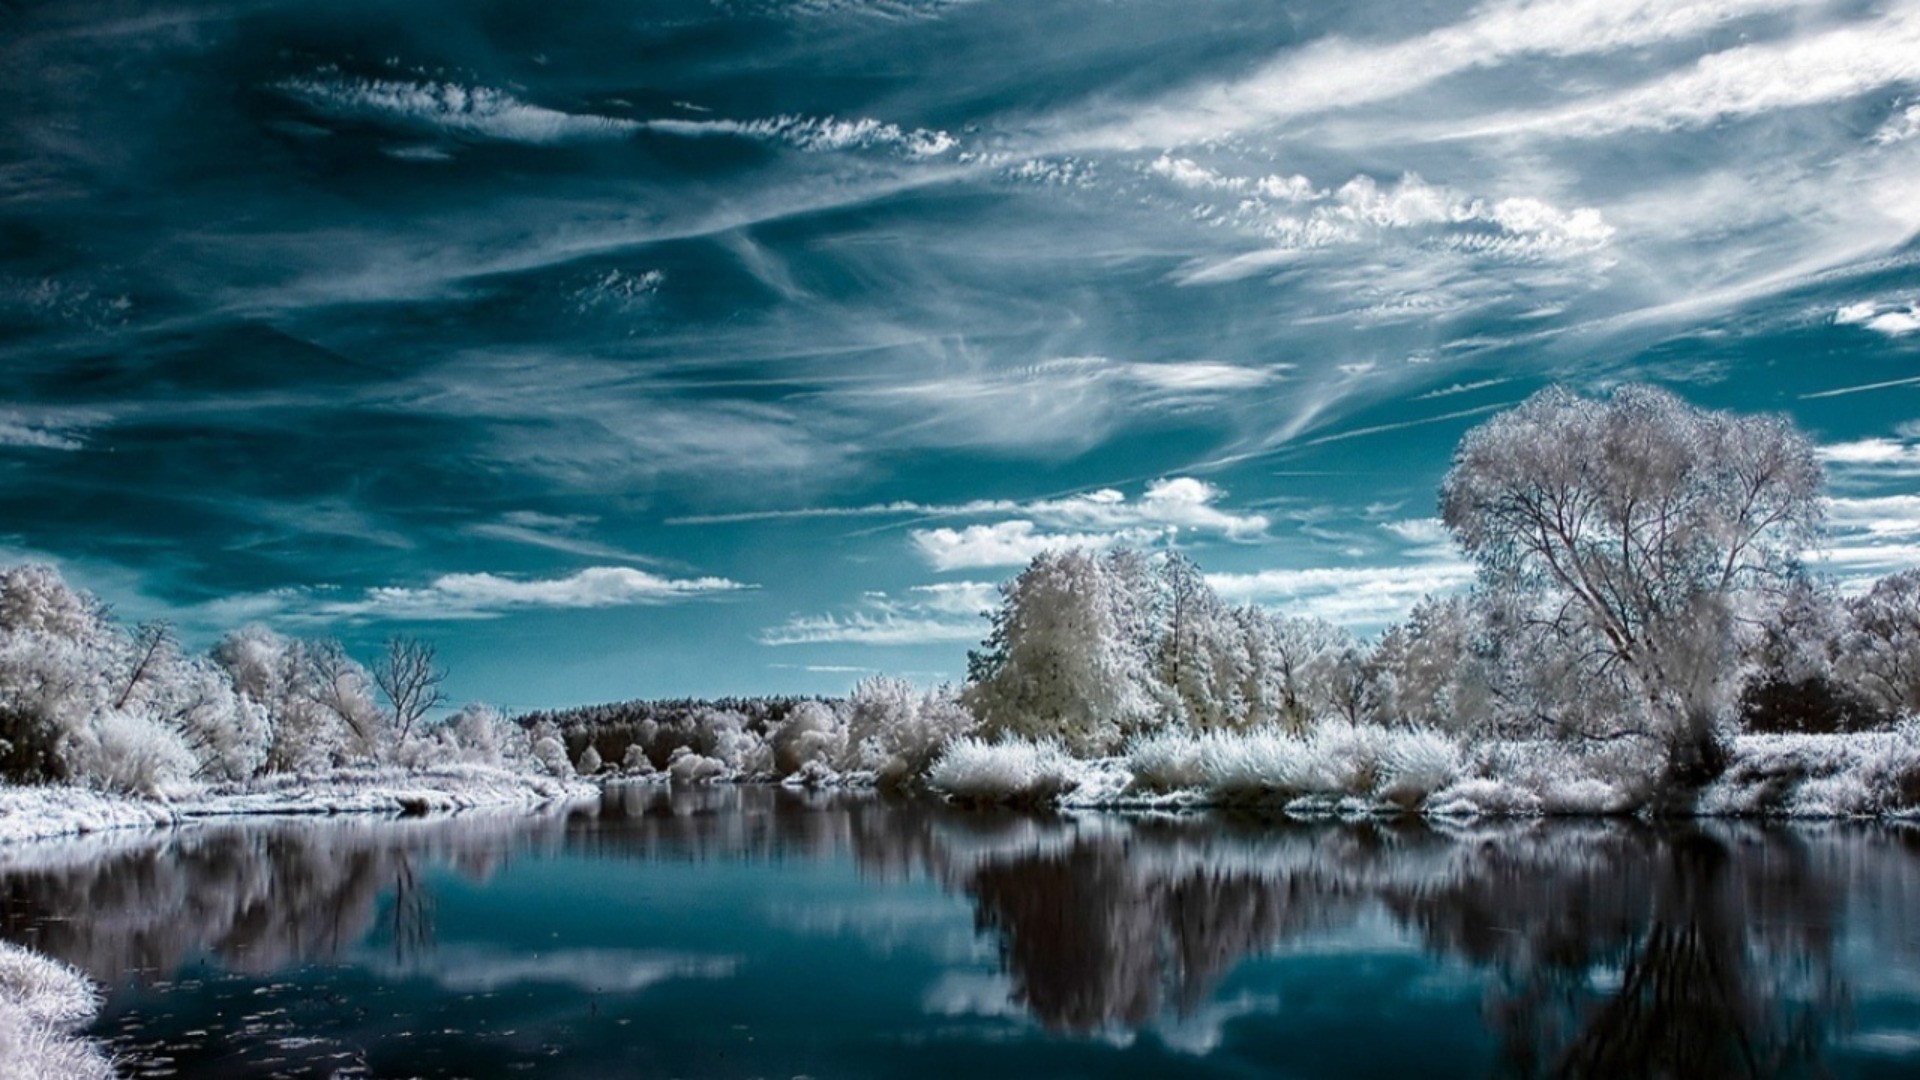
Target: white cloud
[821, 134]
[1008, 543]
[1899, 127]
[944, 612]
[1358, 597]
[1178, 502]
[16, 433]
[1874, 454]
[470, 111]
[477, 596]
[1335, 74]
[1894, 319]
[1408, 211]
[1833, 65]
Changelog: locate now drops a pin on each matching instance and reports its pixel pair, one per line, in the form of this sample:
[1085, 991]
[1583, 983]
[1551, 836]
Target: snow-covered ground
[42, 1003]
[28, 813]
[1343, 770]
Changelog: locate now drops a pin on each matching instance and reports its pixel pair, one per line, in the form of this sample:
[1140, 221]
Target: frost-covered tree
[275, 673]
[1070, 656]
[78, 695]
[895, 729]
[1641, 525]
[1799, 681]
[1879, 643]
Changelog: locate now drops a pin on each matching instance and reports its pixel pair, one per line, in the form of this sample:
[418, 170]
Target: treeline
[86, 700]
[887, 732]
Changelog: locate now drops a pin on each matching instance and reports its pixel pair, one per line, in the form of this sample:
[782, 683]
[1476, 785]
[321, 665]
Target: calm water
[759, 932]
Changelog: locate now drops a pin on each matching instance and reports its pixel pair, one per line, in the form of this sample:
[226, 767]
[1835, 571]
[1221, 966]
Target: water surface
[761, 932]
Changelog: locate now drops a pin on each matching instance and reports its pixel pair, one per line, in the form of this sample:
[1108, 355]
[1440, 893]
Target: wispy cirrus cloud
[447, 108]
[1337, 74]
[1180, 502]
[1833, 65]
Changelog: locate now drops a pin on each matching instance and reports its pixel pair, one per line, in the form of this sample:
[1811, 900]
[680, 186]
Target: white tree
[275, 673]
[1069, 658]
[1879, 646]
[1642, 524]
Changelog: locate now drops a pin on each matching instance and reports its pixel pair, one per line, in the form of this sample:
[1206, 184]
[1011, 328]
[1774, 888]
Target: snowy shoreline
[41, 812]
[43, 1004]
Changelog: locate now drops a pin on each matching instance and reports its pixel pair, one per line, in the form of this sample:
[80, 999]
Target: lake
[755, 931]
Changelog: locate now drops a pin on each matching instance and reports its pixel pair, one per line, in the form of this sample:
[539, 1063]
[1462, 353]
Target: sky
[709, 347]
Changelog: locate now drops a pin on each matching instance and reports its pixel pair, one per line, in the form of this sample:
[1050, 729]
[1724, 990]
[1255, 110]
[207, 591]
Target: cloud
[449, 108]
[1008, 543]
[15, 433]
[479, 596]
[1834, 65]
[555, 532]
[821, 134]
[1405, 212]
[1337, 74]
[929, 614]
[1871, 454]
[1356, 597]
[1072, 401]
[1179, 502]
[1895, 319]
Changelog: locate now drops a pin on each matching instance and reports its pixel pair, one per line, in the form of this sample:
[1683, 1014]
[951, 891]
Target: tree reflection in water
[1605, 949]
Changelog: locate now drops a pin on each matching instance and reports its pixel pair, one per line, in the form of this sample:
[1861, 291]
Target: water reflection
[1590, 949]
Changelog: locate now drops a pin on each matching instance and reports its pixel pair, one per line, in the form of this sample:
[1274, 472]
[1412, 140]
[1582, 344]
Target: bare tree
[409, 676]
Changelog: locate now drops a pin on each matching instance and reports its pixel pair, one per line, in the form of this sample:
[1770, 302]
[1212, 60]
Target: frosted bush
[896, 730]
[129, 754]
[1480, 795]
[1417, 763]
[688, 766]
[1169, 761]
[42, 1002]
[811, 733]
[589, 761]
[636, 761]
[1012, 771]
[1260, 763]
[551, 754]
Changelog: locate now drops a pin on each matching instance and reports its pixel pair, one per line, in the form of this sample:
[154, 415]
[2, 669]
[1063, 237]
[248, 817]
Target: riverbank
[1360, 771]
[38, 812]
[43, 1003]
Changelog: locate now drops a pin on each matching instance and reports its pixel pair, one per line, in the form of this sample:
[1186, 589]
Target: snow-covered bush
[1015, 771]
[812, 732]
[589, 761]
[550, 751]
[1416, 763]
[42, 1003]
[895, 729]
[689, 766]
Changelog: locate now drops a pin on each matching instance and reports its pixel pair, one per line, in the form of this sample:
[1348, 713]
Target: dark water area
[761, 932]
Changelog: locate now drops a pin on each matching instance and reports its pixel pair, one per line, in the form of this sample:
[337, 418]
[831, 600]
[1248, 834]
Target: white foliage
[42, 1003]
[895, 729]
[1009, 771]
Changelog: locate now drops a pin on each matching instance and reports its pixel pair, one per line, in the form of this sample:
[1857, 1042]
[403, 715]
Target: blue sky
[648, 349]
